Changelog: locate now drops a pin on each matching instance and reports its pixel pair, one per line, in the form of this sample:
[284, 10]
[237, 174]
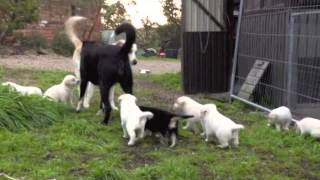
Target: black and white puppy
[163, 122]
[70, 27]
[106, 65]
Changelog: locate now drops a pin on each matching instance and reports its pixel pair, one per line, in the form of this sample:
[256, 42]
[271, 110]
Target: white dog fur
[70, 30]
[24, 90]
[133, 120]
[219, 126]
[63, 92]
[281, 117]
[309, 126]
[186, 106]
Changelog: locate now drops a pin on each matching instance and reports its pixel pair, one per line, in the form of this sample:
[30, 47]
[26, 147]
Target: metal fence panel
[286, 33]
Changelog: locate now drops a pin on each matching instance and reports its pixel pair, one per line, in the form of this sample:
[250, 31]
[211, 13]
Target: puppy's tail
[70, 30]
[237, 127]
[130, 32]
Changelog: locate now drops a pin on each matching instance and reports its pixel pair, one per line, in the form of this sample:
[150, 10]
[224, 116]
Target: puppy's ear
[120, 99]
[181, 102]
[203, 112]
[147, 115]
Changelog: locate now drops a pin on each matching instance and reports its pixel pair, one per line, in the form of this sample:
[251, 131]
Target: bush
[18, 112]
[62, 45]
[36, 42]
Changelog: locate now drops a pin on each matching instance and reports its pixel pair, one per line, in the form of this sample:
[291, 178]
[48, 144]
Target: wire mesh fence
[285, 34]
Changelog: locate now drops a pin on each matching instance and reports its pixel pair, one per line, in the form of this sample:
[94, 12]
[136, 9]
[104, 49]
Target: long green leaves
[19, 112]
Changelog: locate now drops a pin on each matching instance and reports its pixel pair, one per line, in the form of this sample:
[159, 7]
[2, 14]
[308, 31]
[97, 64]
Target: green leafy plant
[61, 44]
[35, 41]
[18, 112]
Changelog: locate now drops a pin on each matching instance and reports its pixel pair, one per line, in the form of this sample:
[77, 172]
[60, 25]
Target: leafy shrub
[61, 44]
[35, 41]
[18, 112]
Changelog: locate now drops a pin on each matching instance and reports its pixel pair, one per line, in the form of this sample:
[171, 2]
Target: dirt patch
[136, 157]
[56, 62]
[78, 172]
[49, 156]
[158, 94]
[205, 173]
[308, 168]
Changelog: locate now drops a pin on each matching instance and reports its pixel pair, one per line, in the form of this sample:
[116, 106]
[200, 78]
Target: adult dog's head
[132, 54]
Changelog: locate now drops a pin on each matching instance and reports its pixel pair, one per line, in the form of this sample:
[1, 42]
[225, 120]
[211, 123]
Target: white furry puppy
[220, 126]
[63, 92]
[309, 126]
[281, 117]
[133, 120]
[186, 106]
[24, 90]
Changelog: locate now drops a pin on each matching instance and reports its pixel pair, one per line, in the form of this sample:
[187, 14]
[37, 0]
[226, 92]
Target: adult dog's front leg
[127, 85]
[111, 98]
[88, 95]
[83, 86]
[104, 90]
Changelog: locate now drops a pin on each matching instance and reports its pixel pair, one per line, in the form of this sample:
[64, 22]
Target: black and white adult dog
[71, 32]
[105, 65]
[163, 122]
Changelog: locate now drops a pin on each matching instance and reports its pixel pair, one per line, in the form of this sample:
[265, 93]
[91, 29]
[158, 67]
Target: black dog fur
[163, 122]
[105, 65]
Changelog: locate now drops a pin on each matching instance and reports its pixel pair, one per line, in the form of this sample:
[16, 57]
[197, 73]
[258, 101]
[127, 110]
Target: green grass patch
[19, 112]
[79, 147]
[169, 81]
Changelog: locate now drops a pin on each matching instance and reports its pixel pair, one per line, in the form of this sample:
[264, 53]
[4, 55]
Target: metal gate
[286, 35]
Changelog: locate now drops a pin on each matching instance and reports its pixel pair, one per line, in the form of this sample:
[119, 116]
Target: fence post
[235, 55]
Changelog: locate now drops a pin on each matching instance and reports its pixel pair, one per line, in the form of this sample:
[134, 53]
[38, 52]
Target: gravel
[55, 62]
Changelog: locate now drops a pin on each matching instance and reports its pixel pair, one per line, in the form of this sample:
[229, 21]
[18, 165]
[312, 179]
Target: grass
[79, 147]
[27, 112]
[169, 81]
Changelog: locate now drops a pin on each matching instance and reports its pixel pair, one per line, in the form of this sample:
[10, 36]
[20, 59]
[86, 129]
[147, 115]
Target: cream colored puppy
[24, 90]
[281, 117]
[308, 126]
[63, 92]
[220, 126]
[189, 107]
[133, 120]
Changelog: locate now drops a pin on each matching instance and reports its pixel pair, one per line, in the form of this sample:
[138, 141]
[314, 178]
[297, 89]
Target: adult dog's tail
[70, 30]
[130, 32]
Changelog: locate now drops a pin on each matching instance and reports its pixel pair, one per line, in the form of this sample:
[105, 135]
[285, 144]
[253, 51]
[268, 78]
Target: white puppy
[280, 117]
[189, 107]
[220, 126]
[309, 126]
[133, 120]
[63, 92]
[24, 90]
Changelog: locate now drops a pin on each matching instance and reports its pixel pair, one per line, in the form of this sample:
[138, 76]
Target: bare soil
[56, 62]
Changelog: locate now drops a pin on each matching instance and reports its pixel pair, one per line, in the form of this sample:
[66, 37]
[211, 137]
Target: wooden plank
[253, 78]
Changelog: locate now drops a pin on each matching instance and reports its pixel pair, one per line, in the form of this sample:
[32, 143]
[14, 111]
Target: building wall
[207, 51]
[53, 14]
[197, 21]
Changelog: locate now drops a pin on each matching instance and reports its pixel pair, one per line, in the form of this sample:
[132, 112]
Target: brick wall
[56, 12]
